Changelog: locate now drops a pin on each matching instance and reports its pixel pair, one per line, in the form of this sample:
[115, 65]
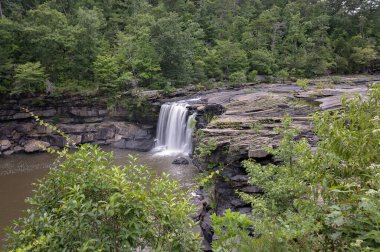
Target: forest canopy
[116, 45]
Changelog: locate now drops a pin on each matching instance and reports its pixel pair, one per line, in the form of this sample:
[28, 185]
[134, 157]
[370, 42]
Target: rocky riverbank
[86, 119]
[239, 122]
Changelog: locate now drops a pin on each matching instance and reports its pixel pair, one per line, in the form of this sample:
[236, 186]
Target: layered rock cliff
[87, 119]
[246, 127]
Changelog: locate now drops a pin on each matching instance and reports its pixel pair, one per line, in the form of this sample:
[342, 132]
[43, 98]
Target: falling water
[174, 132]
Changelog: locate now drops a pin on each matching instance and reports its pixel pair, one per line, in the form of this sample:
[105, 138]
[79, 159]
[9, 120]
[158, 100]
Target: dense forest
[116, 45]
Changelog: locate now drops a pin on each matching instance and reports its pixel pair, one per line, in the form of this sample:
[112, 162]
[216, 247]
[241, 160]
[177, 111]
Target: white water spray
[174, 132]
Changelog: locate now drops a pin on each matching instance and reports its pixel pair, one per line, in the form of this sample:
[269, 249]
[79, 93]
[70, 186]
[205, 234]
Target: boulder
[252, 190]
[75, 139]
[105, 133]
[25, 128]
[46, 112]
[88, 137]
[18, 149]
[215, 109]
[258, 153]
[56, 140]
[5, 145]
[180, 161]
[139, 145]
[8, 152]
[35, 145]
[239, 180]
[21, 115]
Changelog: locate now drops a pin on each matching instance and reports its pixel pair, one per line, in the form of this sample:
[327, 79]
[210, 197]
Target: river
[18, 172]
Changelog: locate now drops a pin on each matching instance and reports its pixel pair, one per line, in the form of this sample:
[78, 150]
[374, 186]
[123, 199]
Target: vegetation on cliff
[322, 200]
[117, 45]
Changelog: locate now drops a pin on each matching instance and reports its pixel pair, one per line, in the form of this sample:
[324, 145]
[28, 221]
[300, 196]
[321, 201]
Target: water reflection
[18, 172]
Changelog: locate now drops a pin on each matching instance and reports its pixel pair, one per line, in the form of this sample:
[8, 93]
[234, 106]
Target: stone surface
[85, 118]
[8, 152]
[245, 127]
[257, 154]
[36, 145]
[5, 145]
[180, 161]
[18, 149]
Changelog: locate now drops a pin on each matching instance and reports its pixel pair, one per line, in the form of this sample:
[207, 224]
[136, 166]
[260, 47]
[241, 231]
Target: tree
[88, 42]
[89, 204]
[30, 78]
[175, 47]
[231, 57]
[263, 62]
[363, 57]
[106, 71]
[51, 43]
[1, 11]
[9, 48]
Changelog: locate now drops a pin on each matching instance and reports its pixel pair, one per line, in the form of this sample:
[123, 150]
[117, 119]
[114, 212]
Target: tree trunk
[1, 11]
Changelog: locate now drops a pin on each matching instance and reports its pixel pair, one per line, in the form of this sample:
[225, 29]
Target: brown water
[18, 173]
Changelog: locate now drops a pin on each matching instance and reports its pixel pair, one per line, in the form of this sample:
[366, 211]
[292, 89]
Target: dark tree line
[119, 44]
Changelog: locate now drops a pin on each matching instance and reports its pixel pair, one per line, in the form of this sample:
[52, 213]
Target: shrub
[283, 75]
[29, 78]
[252, 75]
[89, 204]
[335, 79]
[205, 149]
[238, 77]
[303, 83]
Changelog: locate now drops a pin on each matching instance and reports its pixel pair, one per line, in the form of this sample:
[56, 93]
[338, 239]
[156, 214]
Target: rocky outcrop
[35, 145]
[86, 119]
[246, 127]
[5, 145]
[180, 161]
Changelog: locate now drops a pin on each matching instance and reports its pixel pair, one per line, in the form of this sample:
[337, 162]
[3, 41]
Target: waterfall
[174, 132]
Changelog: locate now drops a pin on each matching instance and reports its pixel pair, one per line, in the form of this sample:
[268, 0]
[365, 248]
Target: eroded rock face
[5, 145]
[84, 119]
[246, 128]
[35, 145]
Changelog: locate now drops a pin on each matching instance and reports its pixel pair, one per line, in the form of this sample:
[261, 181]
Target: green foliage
[303, 83]
[185, 42]
[252, 75]
[263, 61]
[283, 75]
[168, 89]
[322, 200]
[206, 149]
[238, 77]
[335, 79]
[230, 229]
[89, 204]
[30, 78]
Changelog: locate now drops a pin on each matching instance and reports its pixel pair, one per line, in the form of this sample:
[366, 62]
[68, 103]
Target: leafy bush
[229, 229]
[29, 78]
[283, 75]
[205, 149]
[252, 75]
[303, 83]
[89, 204]
[238, 77]
[326, 200]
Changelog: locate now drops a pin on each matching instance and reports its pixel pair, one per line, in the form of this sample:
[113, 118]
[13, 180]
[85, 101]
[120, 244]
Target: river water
[18, 172]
